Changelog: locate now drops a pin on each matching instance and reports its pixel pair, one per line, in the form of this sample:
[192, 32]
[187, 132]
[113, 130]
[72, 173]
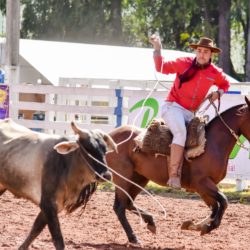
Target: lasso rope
[143, 105]
[125, 192]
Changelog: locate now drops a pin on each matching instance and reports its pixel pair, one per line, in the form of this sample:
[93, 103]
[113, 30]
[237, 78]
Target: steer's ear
[112, 146]
[110, 142]
[66, 147]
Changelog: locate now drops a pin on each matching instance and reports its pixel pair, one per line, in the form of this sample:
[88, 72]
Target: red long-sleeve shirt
[192, 92]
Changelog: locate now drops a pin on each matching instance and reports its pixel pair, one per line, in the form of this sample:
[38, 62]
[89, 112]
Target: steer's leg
[37, 228]
[48, 206]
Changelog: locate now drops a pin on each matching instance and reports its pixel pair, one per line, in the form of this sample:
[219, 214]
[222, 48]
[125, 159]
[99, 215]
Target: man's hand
[156, 42]
[213, 96]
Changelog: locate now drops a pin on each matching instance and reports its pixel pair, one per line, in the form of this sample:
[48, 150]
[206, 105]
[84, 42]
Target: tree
[92, 21]
[3, 7]
[224, 35]
[239, 24]
[116, 21]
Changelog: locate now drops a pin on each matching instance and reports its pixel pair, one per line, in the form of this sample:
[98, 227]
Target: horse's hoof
[205, 229]
[186, 225]
[152, 228]
[138, 243]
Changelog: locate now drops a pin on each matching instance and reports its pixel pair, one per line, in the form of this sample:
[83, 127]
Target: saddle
[157, 138]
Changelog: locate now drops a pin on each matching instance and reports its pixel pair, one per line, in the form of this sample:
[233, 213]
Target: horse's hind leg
[190, 225]
[37, 227]
[216, 201]
[217, 214]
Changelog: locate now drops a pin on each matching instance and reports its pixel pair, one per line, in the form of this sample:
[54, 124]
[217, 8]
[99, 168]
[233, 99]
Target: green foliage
[177, 21]
[3, 6]
[239, 26]
[106, 186]
[67, 20]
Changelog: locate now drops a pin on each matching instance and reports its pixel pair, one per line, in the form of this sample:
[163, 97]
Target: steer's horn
[82, 133]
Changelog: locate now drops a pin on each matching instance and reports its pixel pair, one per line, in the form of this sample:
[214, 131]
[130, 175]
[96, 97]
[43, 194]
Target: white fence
[93, 107]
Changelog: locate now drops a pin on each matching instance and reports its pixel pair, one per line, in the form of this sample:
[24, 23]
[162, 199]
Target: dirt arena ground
[98, 228]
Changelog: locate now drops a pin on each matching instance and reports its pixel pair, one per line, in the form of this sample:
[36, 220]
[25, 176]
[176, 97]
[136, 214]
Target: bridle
[237, 138]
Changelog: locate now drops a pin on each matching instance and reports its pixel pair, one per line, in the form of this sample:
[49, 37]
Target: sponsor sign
[4, 101]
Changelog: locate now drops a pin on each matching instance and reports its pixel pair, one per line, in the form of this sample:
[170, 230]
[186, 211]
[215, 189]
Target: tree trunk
[224, 34]
[207, 19]
[116, 23]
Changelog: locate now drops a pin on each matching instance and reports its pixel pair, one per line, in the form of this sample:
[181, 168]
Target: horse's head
[245, 124]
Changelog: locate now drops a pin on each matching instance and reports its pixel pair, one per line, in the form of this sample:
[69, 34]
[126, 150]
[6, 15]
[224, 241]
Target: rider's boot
[176, 159]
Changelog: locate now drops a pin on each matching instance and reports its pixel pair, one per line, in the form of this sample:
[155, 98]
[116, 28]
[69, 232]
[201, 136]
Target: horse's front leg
[214, 199]
[123, 202]
[134, 191]
[120, 210]
[147, 218]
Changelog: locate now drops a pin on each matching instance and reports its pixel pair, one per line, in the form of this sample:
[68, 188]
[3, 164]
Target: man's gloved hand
[156, 42]
[213, 96]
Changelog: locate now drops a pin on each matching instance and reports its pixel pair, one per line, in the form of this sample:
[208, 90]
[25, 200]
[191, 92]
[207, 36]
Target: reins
[209, 104]
[237, 138]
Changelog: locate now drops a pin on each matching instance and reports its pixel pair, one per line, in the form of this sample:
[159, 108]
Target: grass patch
[229, 190]
[106, 186]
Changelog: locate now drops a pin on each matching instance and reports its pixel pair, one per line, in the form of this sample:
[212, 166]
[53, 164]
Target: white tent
[55, 60]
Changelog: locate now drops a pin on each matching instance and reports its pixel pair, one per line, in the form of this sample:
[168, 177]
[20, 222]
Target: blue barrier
[2, 75]
[118, 109]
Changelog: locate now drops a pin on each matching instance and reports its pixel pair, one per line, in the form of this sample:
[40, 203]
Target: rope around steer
[123, 177]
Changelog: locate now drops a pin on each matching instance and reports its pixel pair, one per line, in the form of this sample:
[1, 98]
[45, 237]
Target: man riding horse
[194, 77]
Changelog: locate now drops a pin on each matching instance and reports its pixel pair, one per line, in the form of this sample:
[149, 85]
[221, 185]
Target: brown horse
[201, 175]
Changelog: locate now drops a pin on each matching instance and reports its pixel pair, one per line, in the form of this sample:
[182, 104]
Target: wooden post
[12, 49]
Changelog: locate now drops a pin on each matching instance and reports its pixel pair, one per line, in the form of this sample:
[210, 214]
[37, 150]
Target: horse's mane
[240, 110]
